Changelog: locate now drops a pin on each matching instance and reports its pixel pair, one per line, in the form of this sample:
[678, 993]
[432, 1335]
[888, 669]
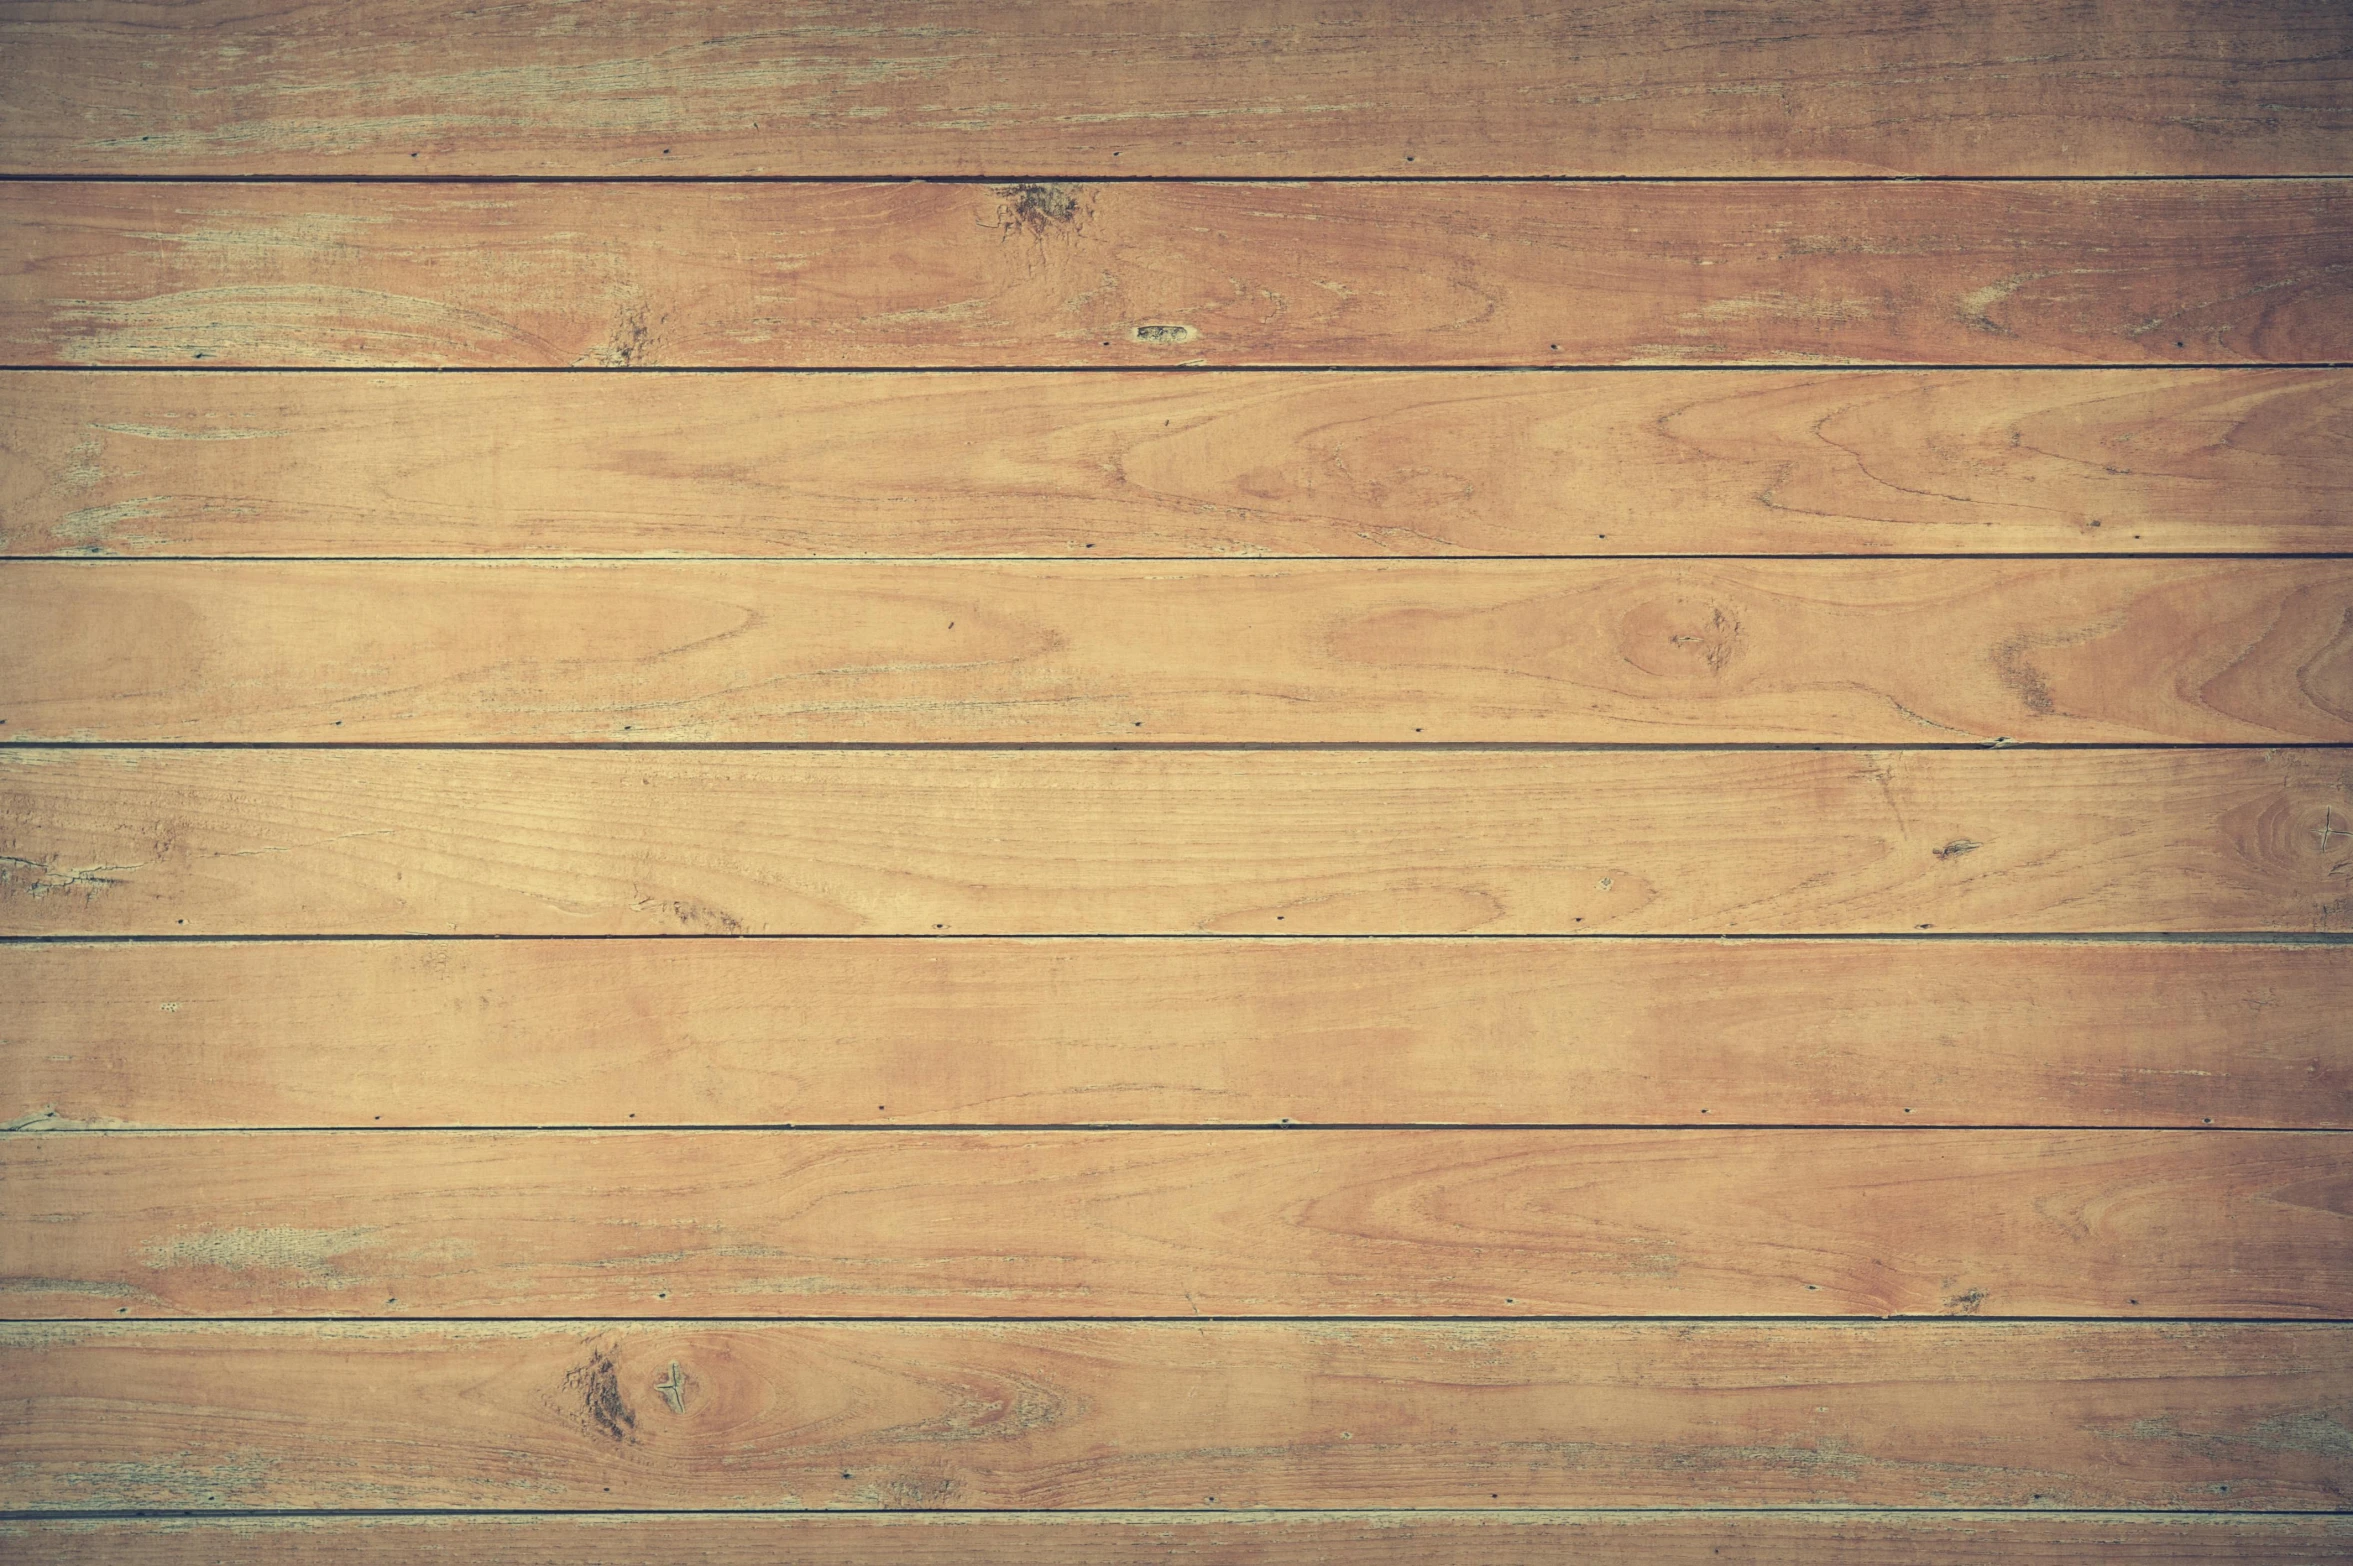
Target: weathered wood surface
[912, 274]
[1244, 463]
[734, 87]
[1564, 652]
[642, 1223]
[357, 842]
[1386, 1538]
[1043, 1032]
[1000, 1415]
[1288, 842]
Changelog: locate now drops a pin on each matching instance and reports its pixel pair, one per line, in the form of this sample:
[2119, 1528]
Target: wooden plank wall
[973, 781]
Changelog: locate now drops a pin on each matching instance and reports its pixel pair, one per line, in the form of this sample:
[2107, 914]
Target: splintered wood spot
[1957, 847]
[597, 1387]
[1038, 208]
[48, 879]
[307, 1255]
[1163, 334]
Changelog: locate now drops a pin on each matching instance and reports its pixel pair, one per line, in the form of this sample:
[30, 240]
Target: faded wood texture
[357, 842]
[1575, 652]
[1175, 1223]
[896, 275]
[1043, 1032]
[1245, 463]
[732, 87]
[999, 1415]
[1386, 1538]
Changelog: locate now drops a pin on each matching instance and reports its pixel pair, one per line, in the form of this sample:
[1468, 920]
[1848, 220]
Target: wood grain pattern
[911, 274]
[196, 842]
[1042, 1032]
[1287, 88]
[1419, 1538]
[1575, 652]
[1173, 1223]
[1000, 1415]
[1097, 464]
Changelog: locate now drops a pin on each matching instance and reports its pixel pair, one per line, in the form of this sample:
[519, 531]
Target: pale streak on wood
[998, 1415]
[654, 1223]
[1083, 465]
[737, 87]
[1419, 1538]
[1039, 1032]
[1576, 652]
[911, 274]
[358, 842]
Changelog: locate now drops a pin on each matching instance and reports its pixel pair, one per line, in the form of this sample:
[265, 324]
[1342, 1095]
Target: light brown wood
[1088, 465]
[1040, 1032]
[1098, 820]
[1174, 1223]
[1575, 652]
[1418, 1538]
[997, 1415]
[277, 842]
[899, 275]
[1287, 88]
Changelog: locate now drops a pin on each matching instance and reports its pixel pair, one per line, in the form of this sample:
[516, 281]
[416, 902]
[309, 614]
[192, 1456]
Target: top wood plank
[1279, 87]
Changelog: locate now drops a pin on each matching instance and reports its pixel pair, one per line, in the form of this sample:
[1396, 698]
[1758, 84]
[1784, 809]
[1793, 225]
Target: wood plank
[579, 842]
[1908, 1222]
[1285, 88]
[1199, 1539]
[911, 274]
[1574, 652]
[1040, 1032]
[1074, 464]
[991, 1416]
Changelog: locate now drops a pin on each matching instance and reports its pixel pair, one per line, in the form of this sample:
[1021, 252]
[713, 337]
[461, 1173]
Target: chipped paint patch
[48, 879]
[158, 432]
[94, 526]
[308, 1254]
[177, 1480]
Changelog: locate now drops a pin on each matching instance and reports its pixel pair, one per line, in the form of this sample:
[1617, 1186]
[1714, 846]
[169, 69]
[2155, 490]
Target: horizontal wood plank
[1041, 1032]
[1419, 1538]
[1084, 464]
[1426, 1222]
[1574, 652]
[989, 1416]
[1285, 842]
[736, 87]
[356, 842]
[913, 274]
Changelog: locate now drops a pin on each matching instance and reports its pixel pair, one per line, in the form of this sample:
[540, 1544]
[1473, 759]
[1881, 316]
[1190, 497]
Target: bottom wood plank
[1237, 1416]
[1196, 1539]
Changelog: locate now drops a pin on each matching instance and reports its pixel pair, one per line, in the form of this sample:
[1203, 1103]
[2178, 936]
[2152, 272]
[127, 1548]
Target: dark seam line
[1187, 747]
[2037, 937]
[1028, 1514]
[1118, 747]
[162, 1325]
[1269, 1127]
[1872, 366]
[1238, 565]
[1244, 180]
